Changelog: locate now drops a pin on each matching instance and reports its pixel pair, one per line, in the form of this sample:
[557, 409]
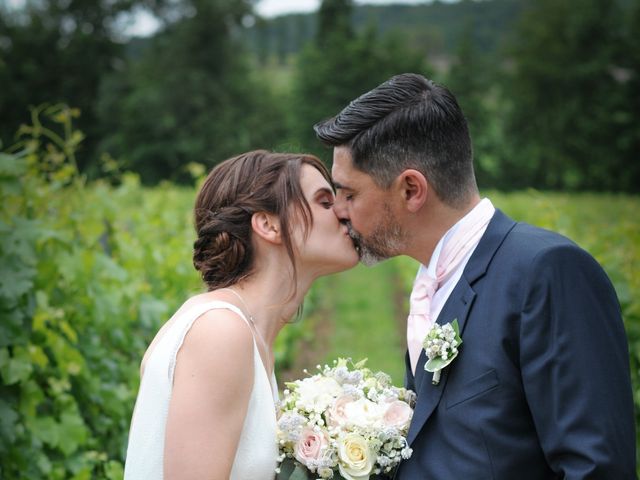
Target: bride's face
[327, 247]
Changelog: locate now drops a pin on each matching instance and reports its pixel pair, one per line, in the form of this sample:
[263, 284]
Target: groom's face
[366, 209]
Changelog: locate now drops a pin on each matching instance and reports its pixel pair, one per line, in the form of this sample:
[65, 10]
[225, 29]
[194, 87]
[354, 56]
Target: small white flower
[441, 346]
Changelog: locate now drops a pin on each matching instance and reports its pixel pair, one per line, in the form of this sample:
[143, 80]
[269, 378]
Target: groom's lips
[355, 240]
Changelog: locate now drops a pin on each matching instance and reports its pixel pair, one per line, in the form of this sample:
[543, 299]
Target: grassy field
[364, 319]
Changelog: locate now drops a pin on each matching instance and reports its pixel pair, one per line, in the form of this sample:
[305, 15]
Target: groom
[540, 388]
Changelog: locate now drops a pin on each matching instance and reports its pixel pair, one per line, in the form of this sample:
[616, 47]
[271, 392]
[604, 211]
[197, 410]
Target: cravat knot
[455, 248]
[423, 290]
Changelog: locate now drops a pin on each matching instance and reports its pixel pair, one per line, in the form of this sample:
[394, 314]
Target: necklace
[253, 324]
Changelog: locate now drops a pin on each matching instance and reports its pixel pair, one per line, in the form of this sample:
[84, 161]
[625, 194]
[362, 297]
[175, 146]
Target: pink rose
[336, 415]
[398, 414]
[310, 445]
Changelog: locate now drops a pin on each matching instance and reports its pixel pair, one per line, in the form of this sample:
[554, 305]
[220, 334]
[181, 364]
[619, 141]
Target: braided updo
[234, 190]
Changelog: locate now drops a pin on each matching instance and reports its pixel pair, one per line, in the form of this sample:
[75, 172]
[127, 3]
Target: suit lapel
[458, 306]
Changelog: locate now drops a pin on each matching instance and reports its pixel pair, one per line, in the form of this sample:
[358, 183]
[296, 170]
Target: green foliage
[556, 109]
[44, 50]
[81, 295]
[88, 274]
[470, 80]
[191, 96]
[568, 103]
[433, 28]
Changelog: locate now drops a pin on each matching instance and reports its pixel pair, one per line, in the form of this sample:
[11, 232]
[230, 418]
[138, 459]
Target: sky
[271, 8]
[144, 23]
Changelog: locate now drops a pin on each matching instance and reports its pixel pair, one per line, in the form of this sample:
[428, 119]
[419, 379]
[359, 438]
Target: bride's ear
[267, 227]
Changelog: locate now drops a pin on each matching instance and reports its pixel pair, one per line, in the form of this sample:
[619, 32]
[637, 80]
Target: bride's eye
[326, 201]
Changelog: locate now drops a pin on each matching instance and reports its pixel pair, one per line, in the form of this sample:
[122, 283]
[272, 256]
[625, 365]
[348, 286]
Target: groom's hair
[407, 122]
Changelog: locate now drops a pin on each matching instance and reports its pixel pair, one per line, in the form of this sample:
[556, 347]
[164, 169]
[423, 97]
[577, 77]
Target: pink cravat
[468, 232]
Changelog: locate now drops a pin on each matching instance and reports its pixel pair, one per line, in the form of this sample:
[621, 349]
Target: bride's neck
[272, 299]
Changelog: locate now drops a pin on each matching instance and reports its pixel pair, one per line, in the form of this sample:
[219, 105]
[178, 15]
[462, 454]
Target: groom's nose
[340, 209]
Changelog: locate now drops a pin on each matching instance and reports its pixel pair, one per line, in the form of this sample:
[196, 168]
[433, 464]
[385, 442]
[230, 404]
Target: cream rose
[310, 446]
[356, 458]
[398, 414]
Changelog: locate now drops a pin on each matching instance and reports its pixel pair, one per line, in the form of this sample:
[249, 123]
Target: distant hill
[433, 27]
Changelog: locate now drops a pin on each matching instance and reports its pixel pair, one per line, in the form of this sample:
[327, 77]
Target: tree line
[551, 88]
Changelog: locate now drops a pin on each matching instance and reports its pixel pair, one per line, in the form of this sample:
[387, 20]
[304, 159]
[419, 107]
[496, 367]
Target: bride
[205, 409]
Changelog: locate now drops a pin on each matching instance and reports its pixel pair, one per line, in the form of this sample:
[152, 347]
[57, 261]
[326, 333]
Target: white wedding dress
[257, 452]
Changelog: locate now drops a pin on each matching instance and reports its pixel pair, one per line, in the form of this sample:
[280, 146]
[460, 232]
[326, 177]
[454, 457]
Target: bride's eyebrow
[322, 191]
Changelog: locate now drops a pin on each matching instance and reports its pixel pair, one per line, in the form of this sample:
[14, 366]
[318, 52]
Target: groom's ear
[413, 188]
[266, 226]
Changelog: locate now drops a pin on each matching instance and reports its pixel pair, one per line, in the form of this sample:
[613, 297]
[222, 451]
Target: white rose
[363, 412]
[356, 458]
[318, 391]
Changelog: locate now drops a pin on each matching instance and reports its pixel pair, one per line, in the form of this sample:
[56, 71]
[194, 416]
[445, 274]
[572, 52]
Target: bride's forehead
[311, 179]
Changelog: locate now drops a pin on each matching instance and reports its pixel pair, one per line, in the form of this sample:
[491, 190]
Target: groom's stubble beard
[385, 241]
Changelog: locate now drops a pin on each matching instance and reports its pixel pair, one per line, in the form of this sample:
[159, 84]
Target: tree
[191, 97]
[564, 96]
[470, 80]
[57, 51]
[629, 76]
[341, 64]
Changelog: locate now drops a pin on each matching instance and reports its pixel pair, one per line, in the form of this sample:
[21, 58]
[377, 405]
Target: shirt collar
[433, 262]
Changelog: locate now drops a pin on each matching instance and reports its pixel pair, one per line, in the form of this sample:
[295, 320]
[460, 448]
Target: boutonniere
[441, 345]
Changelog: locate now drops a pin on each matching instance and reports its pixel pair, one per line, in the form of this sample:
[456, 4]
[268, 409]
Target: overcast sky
[270, 8]
[143, 23]
[146, 24]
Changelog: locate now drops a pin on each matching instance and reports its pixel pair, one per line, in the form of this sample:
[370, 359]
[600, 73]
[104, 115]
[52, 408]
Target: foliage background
[95, 227]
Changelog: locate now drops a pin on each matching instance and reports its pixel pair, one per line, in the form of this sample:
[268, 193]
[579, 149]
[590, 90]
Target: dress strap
[191, 315]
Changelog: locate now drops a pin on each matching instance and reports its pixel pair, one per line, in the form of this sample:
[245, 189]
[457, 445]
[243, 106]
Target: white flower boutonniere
[441, 345]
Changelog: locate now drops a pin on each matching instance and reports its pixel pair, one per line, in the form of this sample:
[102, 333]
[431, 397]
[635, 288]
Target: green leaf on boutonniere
[442, 339]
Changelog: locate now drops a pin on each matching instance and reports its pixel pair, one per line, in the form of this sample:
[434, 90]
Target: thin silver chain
[253, 323]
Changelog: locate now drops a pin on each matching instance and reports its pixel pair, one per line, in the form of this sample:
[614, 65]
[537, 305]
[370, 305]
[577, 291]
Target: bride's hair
[234, 190]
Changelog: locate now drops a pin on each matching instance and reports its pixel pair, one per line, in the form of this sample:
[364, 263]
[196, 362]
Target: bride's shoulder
[212, 334]
[217, 336]
[217, 350]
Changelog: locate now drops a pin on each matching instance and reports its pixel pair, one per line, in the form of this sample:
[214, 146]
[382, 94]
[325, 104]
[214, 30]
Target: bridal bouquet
[345, 422]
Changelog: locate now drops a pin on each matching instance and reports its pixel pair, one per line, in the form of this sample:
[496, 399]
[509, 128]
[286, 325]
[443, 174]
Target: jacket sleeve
[575, 367]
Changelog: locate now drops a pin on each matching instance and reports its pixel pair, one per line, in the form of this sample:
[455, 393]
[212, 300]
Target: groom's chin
[370, 259]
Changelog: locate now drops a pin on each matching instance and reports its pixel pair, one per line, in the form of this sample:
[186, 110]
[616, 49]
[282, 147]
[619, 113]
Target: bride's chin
[349, 260]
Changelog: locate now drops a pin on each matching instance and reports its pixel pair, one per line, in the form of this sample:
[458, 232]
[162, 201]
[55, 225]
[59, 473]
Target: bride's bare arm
[211, 389]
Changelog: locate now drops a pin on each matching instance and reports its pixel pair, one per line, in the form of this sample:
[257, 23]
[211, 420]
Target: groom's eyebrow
[340, 186]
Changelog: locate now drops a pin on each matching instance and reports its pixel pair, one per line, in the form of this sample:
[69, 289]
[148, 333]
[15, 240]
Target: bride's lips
[354, 239]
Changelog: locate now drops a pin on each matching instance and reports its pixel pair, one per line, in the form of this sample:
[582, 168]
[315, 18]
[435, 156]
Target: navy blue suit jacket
[541, 387]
